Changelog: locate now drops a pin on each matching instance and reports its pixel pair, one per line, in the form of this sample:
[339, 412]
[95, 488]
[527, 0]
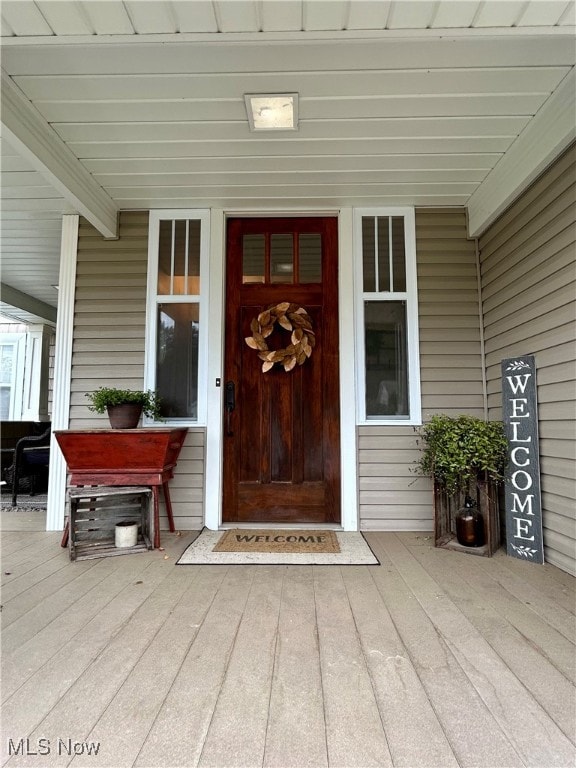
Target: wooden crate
[94, 513]
[446, 507]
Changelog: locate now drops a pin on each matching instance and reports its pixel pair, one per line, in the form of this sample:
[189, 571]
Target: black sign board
[522, 485]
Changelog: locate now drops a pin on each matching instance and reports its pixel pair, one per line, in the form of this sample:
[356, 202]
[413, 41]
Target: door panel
[282, 451]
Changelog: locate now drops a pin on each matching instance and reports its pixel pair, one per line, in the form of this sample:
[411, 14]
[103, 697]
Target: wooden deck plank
[559, 650]
[30, 551]
[23, 518]
[104, 695]
[296, 736]
[11, 576]
[79, 707]
[37, 584]
[142, 694]
[550, 688]
[55, 606]
[549, 610]
[354, 730]
[21, 663]
[556, 584]
[473, 732]
[47, 686]
[152, 672]
[178, 733]
[58, 556]
[539, 741]
[237, 733]
[8, 537]
[17, 541]
[414, 734]
[547, 571]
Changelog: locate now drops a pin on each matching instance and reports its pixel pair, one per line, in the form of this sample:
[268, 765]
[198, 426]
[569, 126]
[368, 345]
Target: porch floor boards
[434, 658]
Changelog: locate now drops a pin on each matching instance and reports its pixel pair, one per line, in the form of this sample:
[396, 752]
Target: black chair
[31, 462]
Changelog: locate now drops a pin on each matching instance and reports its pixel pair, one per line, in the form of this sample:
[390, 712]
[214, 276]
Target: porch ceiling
[130, 105]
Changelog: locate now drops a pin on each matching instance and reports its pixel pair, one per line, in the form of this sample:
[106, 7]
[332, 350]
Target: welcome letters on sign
[522, 484]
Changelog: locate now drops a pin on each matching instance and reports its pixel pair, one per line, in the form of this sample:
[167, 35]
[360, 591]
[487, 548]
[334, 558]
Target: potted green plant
[466, 458]
[125, 406]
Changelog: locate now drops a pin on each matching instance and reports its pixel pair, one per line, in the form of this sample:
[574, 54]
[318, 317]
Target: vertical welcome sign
[522, 485]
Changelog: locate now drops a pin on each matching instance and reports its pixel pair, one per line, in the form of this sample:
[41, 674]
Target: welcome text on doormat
[259, 540]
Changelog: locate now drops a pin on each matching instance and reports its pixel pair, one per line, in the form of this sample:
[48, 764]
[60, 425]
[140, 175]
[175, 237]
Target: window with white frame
[12, 353]
[387, 313]
[176, 332]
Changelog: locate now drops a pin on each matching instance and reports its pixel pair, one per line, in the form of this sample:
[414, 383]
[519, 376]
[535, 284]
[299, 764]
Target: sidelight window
[387, 336]
[178, 247]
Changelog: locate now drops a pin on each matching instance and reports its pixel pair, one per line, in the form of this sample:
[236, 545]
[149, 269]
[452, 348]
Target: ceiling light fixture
[272, 111]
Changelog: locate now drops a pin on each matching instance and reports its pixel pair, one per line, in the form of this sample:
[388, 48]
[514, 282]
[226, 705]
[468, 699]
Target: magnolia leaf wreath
[291, 317]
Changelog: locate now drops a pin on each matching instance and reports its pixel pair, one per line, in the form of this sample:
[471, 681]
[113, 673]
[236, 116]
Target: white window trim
[348, 433]
[214, 470]
[18, 342]
[153, 298]
[411, 297]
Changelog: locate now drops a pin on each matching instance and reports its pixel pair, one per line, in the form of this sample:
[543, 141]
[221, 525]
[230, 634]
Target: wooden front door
[281, 428]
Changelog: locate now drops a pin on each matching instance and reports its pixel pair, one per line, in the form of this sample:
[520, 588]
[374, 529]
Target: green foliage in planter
[455, 450]
[105, 396]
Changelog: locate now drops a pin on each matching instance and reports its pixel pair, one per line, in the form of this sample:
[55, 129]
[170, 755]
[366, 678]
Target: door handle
[230, 406]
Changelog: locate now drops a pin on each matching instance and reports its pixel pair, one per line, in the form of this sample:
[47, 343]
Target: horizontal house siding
[392, 496]
[109, 340]
[529, 307]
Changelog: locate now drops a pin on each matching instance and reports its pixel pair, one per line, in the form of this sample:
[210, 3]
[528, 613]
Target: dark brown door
[282, 439]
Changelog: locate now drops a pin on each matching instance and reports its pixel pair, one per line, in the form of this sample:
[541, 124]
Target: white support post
[215, 370]
[348, 438]
[62, 370]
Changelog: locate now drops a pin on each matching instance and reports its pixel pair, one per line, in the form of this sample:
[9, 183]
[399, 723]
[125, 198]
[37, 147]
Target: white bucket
[126, 535]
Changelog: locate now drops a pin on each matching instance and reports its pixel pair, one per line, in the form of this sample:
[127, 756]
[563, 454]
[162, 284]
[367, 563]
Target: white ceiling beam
[550, 132]
[272, 36]
[32, 137]
[23, 301]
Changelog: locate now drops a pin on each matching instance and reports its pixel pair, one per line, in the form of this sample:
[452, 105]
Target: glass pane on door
[310, 257]
[253, 258]
[281, 258]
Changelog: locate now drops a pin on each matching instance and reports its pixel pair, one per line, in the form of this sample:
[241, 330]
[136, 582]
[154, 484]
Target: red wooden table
[145, 456]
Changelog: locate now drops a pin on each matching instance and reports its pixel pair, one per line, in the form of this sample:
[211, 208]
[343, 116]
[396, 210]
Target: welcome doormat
[254, 540]
[241, 546]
